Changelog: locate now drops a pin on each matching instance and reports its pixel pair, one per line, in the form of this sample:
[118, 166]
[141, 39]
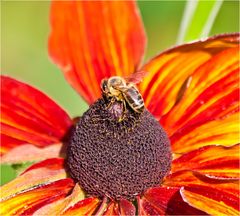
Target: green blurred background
[24, 34]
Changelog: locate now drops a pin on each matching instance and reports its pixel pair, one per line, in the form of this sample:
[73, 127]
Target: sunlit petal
[184, 67]
[193, 90]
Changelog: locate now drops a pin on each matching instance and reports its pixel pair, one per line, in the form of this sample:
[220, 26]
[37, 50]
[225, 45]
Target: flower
[192, 90]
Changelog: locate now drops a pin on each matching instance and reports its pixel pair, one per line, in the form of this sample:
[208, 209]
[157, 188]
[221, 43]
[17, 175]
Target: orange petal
[36, 175]
[178, 70]
[213, 161]
[29, 116]
[222, 195]
[60, 206]
[165, 201]
[212, 95]
[28, 201]
[91, 40]
[27, 152]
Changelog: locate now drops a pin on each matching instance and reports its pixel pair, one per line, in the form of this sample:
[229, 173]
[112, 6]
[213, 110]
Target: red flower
[192, 90]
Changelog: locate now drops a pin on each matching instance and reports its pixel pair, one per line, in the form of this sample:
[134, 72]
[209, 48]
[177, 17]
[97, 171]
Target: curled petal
[223, 195]
[165, 201]
[29, 116]
[213, 161]
[92, 40]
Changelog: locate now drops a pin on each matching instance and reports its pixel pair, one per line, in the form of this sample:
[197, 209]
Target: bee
[124, 90]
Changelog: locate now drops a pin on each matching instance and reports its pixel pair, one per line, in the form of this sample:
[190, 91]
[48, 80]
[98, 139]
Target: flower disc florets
[119, 159]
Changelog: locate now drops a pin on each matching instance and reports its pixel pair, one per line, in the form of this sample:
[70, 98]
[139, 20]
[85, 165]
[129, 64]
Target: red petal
[213, 161]
[222, 195]
[10, 143]
[52, 163]
[127, 208]
[91, 40]
[28, 201]
[165, 201]
[29, 116]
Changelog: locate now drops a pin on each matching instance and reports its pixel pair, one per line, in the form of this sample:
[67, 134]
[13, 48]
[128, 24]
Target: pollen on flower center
[119, 159]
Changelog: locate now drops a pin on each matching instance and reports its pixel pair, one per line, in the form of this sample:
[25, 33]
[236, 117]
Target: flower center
[118, 159]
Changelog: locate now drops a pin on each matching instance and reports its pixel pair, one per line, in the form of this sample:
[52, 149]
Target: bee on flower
[157, 139]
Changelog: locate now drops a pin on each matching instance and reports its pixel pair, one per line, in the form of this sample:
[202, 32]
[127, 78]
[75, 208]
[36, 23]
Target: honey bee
[123, 89]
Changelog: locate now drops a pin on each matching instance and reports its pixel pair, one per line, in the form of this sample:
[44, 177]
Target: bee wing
[136, 77]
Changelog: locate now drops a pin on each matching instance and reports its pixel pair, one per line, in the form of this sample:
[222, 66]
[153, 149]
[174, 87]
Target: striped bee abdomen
[134, 99]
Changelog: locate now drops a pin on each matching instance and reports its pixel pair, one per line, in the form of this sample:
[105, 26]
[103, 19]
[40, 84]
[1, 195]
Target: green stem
[189, 10]
[212, 16]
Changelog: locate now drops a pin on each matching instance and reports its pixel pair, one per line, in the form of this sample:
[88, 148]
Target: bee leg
[124, 111]
[111, 102]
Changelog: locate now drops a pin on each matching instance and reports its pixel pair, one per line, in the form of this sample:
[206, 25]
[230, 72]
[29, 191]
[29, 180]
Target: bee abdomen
[134, 99]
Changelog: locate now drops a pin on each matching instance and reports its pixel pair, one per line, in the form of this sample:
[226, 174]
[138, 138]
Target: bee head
[104, 86]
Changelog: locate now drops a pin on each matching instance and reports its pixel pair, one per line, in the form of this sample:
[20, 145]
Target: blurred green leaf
[10, 171]
[21, 167]
[189, 10]
[211, 18]
[7, 173]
